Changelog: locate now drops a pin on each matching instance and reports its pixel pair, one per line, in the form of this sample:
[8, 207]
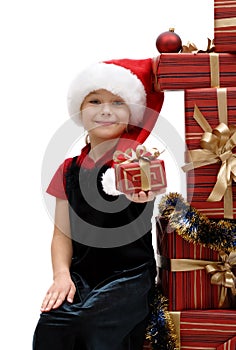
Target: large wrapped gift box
[206, 329]
[210, 123]
[180, 71]
[185, 281]
[225, 25]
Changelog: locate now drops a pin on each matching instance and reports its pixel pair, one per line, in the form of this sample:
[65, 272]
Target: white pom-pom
[109, 183]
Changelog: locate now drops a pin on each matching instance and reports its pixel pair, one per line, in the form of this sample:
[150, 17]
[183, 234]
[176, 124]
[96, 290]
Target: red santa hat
[130, 79]
[114, 78]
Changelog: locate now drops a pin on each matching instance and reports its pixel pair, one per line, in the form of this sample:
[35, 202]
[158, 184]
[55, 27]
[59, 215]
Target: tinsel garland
[195, 227]
[161, 330]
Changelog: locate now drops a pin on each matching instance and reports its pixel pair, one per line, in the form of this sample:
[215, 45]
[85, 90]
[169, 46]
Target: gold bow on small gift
[192, 48]
[143, 157]
[217, 146]
[222, 275]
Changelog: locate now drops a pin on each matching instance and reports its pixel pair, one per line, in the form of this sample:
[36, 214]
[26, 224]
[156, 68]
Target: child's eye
[95, 101]
[118, 103]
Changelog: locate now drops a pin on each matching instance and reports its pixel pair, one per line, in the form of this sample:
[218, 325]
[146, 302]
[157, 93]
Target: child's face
[104, 115]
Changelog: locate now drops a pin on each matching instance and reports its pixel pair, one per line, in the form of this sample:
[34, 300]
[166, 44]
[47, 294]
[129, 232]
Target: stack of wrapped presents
[198, 240]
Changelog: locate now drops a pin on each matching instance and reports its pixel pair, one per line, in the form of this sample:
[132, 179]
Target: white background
[43, 45]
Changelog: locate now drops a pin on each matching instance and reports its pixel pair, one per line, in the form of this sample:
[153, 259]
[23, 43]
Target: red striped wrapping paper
[229, 345]
[225, 25]
[200, 181]
[180, 71]
[147, 346]
[206, 329]
[188, 289]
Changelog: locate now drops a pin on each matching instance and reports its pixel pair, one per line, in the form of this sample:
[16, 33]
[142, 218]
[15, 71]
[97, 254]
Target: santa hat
[114, 78]
[130, 79]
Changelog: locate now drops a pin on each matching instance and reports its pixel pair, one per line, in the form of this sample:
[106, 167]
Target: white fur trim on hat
[116, 79]
[109, 183]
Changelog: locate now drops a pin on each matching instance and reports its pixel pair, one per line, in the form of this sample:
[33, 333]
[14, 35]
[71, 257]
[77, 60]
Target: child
[102, 256]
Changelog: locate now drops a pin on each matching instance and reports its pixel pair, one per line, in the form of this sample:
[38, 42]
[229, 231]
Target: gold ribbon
[190, 47]
[215, 71]
[216, 147]
[225, 22]
[220, 271]
[222, 275]
[143, 157]
[214, 59]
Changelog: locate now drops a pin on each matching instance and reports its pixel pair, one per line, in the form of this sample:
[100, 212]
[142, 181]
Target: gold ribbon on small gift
[216, 148]
[190, 47]
[220, 271]
[143, 157]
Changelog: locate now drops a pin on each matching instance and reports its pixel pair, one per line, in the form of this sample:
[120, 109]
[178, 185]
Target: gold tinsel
[161, 329]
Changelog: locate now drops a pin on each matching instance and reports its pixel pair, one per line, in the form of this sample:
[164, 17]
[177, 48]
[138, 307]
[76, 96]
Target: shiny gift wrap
[210, 125]
[180, 71]
[225, 25]
[206, 329]
[139, 171]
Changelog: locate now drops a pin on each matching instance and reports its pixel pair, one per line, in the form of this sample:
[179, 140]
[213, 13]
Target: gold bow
[217, 146]
[130, 155]
[222, 275]
[221, 271]
[143, 157]
[192, 48]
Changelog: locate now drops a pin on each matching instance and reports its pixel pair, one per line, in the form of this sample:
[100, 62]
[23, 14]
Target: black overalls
[113, 268]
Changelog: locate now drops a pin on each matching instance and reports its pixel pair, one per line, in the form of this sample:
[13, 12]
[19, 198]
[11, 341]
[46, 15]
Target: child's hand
[62, 288]
[143, 197]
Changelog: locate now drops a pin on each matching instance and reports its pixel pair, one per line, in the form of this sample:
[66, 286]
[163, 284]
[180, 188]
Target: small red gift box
[139, 170]
[225, 25]
[210, 139]
[186, 286]
[129, 177]
[180, 71]
[206, 329]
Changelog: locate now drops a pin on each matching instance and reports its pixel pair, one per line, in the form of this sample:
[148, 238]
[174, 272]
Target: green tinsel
[195, 227]
[161, 330]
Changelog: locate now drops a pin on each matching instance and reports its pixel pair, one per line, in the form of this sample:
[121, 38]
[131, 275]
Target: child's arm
[61, 250]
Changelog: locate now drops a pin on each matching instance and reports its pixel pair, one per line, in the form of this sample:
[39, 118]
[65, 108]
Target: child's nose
[106, 109]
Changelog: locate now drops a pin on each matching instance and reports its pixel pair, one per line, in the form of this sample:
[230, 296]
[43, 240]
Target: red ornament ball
[169, 42]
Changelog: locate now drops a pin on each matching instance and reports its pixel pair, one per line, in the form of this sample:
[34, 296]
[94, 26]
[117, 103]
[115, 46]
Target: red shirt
[57, 185]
